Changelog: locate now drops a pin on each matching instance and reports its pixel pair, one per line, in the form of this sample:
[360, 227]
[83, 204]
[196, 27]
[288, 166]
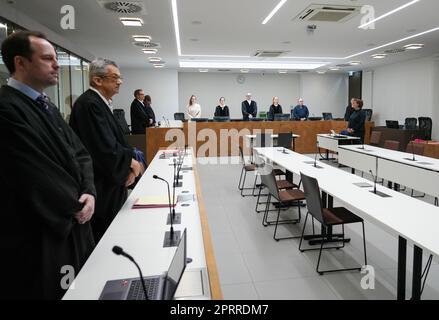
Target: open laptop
[160, 287]
[392, 124]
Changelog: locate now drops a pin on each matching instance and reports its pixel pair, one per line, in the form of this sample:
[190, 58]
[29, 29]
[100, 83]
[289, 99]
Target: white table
[140, 232]
[251, 137]
[411, 220]
[395, 166]
[331, 142]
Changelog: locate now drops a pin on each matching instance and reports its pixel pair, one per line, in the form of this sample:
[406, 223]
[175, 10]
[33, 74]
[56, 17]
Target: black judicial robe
[99, 131]
[44, 169]
[139, 117]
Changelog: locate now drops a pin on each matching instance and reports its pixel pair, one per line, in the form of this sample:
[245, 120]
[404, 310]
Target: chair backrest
[369, 113]
[263, 140]
[241, 155]
[179, 116]
[312, 196]
[410, 123]
[327, 115]
[285, 140]
[281, 117]
[263, 114]
[416, 148]
[391, 144]
[426, 124]
[375, 138]
[269, 180]
[119, 114]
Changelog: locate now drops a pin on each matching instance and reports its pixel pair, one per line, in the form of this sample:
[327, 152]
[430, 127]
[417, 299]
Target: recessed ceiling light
[283, 71]
[273, 12]
[155, 59]
[251, 65]
[355, 63]
[149, 51]
[379, 56]
[414, 46]
[244, 70]
[131, 22]
[159, 65]
[388, 13]
[334, 68]
[139, 38]
[321, 72]
[203, 70]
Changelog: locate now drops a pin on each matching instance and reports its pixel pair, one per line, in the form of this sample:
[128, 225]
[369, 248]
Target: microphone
[413, 149]
[119, 251]
[315, 158]
[170, 238]
[374, 182]
[173, 191]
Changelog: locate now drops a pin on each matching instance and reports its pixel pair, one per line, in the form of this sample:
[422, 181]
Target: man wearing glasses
[93, 121]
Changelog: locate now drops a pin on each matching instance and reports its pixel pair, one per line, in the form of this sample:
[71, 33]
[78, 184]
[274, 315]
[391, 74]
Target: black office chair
[284, 199]
[328, 217]
[369, 113]
[282, 117]
[179, 116]
[426, 124]
[327, 115]
[119, 114]
[410, 123]
[284, 140]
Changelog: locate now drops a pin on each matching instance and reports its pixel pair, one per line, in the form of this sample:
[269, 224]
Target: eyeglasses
[115, 78]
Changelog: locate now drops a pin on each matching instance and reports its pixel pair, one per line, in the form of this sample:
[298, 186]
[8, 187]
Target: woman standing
[222, 110]
[275, 108]
[193, 109]
[357, 120]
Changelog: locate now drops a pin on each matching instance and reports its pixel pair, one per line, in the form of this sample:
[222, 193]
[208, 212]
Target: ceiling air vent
[123, 7]
[268, 54]
[147, 45]
[224, 70]
[395, 51]
[328, 13]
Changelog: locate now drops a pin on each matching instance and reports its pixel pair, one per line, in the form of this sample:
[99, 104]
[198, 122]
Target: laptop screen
[176, 268]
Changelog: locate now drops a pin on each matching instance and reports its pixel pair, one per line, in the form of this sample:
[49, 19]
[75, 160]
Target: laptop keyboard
[136, 290]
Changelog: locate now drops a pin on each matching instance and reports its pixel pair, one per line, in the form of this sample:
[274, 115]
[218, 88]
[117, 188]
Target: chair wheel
[337, 248]
[321, 273]
[277, 240]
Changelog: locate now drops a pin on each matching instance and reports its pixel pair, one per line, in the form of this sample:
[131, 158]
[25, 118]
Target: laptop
[282, 117]
[159, 287]
[327, 115]
[392, 124]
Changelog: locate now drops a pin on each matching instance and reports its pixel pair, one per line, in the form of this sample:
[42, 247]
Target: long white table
[140, 232]
[411, 220]
[421, 175]
[331, 142]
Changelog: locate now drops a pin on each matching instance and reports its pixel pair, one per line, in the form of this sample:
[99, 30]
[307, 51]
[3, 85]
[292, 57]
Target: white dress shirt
[194, 111]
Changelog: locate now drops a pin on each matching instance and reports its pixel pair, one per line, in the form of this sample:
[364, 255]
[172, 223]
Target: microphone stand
[171, 237]
[374, 182]
[176, 217]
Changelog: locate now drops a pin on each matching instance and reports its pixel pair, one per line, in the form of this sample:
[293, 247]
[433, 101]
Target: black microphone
[173, 191]
[413, 147]
[374, 182]
[170, 207]
[119, 251]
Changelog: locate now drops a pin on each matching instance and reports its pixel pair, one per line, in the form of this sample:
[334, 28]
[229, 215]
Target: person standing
[193, 109]
[356, 125]
[275, 108]
[249, 107]
[222, 110]
[349, 110]
[300, 112]
[46, 177]
[149, 111]
[139, 117]
[114, 166]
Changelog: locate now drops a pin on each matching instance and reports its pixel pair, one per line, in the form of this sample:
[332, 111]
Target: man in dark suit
[249, 107]
[349, 110]
[149, 111]
[47, 193]
[139, 117]
[113, 163]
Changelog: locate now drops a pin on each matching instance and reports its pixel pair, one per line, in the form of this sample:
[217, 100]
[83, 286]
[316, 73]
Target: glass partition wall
[73, 74]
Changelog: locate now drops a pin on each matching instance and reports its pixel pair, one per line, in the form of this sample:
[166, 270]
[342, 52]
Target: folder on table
[152, 202]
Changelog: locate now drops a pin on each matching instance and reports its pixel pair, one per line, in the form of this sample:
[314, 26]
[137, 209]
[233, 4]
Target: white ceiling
[233, 28]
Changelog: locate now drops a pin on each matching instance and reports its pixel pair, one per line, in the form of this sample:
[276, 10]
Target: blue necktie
[43, 104]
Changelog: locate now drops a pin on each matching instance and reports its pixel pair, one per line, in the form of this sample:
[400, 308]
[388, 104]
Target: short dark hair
[18, 44]
[137, 91]
[360, 102]
[147, 98]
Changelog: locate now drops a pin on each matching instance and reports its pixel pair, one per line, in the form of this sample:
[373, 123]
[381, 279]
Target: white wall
[161, 85]
[406, 89]
[321, 92]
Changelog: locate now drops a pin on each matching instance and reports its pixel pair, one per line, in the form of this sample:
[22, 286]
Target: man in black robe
[113, 163]
[139, 117]
[149, 111]
[46, 178]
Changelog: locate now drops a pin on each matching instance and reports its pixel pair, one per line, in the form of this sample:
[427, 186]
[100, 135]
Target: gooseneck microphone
[374, 182]
[315, 157]
[170, 206]
[119, 251]
[173, 191]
